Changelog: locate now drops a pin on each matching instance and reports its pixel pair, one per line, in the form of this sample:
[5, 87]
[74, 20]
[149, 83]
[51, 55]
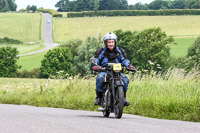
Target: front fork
[115, 84]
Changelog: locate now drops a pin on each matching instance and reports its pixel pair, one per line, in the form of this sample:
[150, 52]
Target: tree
[31, 8]
[85, 52]
[96, 6]
[55, 61]
[178, 4]
[193, 4]
[160, 4]
[8, 61]
[91, 5]
[138, 6]
[113, 5]
[7, 5]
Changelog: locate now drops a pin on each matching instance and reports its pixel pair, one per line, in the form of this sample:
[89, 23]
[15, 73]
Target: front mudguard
[119, 83]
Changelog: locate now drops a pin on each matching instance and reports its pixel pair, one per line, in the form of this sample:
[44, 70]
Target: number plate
[117, 67]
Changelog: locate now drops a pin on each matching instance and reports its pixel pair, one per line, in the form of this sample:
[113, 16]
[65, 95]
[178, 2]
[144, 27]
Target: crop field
[178, 97]
[22, 26]
[73, 28]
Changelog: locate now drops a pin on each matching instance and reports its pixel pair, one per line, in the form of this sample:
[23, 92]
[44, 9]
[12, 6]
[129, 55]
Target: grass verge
[172, 96]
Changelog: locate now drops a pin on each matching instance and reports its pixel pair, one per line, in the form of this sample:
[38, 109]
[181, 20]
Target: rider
[109, 54]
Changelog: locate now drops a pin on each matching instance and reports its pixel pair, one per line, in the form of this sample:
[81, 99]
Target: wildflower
[70, 78]
[150, 62]
[159, 67]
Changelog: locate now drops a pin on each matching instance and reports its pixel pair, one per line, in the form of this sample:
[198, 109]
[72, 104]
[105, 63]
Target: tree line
[90, 5]
[94, 5]
[167, 4]
[7, 5]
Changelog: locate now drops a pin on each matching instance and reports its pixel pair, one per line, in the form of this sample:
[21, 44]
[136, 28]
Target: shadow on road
[95, 116]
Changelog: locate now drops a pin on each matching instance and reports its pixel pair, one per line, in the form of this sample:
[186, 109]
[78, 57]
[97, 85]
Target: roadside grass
[73, 28]
[21, 26]
[170, 96]
[31, 61]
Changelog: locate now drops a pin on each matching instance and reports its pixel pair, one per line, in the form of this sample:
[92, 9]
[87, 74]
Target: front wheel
[106, 113]
[119, 105]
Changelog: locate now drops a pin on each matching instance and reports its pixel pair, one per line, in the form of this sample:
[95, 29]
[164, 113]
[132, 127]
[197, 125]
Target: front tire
[119, 105]
[106, 113]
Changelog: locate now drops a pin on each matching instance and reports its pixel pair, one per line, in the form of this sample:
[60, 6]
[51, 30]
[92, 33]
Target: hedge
[57, 15]
[136, 13]
[7, 40]
[50, 11]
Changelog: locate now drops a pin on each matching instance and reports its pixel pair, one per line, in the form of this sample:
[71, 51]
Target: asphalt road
[47, 35]
[30, 119]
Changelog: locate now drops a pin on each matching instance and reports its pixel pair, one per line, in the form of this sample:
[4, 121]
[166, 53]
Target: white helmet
[110, 36]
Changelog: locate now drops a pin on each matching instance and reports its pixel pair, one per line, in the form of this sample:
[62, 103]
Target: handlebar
[109, 68]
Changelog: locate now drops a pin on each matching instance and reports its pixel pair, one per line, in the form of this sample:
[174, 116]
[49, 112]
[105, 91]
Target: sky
[50, 4]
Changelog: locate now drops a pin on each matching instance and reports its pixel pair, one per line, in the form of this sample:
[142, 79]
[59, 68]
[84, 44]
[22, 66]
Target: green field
[152, 96]
[73, 28]
[26, 48]
[32, 61]
[181, 48]
[21, 26]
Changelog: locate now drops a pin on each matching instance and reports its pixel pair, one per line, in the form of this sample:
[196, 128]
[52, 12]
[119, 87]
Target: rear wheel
[119, 105]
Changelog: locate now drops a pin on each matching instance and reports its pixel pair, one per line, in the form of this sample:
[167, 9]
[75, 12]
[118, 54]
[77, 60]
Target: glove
[97, 68]
[131, 67]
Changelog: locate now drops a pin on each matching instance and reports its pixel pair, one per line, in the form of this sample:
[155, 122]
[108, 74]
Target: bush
[8, 61]
[9, 41]
[58, 15]
[72, 45]
[85, 52]
[146, 49]
[193, 56]
[55, 62]
[81, 52]
[35, 73]
[50, 11]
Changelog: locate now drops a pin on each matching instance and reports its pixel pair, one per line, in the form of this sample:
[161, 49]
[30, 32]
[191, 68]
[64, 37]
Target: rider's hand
[97, 68]
[131, 67]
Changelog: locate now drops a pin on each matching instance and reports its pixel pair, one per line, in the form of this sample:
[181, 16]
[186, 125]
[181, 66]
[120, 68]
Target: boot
[126, 103]
[98, 98]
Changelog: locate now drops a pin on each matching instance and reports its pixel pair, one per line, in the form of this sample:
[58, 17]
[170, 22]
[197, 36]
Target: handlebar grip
[129, 69]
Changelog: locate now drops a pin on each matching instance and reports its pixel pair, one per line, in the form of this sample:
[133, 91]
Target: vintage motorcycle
[113, 95]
